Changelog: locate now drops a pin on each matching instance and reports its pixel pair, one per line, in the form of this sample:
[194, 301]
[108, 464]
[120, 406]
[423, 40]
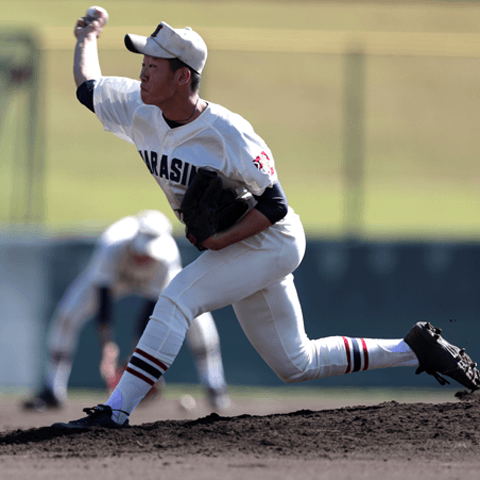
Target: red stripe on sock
[140, 376]
[365, 354]
[347, 348]
[152, 359]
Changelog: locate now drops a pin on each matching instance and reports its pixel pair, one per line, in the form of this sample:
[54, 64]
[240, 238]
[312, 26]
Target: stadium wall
[368, 289]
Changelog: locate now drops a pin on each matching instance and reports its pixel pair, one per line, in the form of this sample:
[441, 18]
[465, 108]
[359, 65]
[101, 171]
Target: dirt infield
[390, 440]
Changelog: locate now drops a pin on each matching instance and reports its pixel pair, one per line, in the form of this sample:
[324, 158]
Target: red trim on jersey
[365, 354]
[347, 349]
[152, 359]
[140, 376]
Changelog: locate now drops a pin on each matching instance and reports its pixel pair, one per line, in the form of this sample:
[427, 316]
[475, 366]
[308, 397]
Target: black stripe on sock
[357, 359]
[146, 367]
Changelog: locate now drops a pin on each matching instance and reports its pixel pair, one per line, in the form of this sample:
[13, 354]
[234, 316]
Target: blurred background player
[137, 255]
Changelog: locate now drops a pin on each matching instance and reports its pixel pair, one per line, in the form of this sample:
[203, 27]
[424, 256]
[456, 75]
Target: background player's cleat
[99, 416]
[219, 401]
[43, 400]
[436, 356]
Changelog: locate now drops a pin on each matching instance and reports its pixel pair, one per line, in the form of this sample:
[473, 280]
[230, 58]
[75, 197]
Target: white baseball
[97, 13]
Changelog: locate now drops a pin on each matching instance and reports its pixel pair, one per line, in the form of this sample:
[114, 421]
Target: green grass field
[422, 175]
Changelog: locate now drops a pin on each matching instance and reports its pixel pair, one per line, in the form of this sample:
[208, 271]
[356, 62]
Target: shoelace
[100, 410]
[94, 410]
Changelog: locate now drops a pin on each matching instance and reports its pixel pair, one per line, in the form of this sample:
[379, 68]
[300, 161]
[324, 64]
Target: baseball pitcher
[246, 262]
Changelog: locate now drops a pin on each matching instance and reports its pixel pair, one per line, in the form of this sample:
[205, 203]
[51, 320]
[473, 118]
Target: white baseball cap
[149, 239]
[168, 42]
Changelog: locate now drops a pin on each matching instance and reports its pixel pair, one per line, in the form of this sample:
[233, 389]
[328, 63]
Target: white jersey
[218, 139]
[112, 264]
[253, 275]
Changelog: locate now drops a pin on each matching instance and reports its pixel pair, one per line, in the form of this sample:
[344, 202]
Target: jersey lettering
[177, 171]
[164, 167]
[153, 162]
[145, 158]
[184, 176]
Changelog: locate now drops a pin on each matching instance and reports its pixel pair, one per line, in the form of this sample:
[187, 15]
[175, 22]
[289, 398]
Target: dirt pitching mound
[391, 430]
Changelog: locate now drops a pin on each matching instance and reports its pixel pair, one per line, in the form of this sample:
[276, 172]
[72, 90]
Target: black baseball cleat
[436, 356]
[99, 416]
[41, 401]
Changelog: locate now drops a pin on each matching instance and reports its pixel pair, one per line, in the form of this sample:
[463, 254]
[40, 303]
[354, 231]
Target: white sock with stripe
[142, 372]
[368, 354]
[155, 352]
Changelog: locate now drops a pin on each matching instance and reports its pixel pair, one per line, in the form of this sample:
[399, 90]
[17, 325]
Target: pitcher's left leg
[272, 320]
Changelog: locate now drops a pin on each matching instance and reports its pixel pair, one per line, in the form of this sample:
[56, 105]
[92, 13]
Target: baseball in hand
[97, 13]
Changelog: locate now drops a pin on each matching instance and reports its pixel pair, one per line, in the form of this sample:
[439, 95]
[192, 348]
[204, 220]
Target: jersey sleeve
[115, 100]
[253, 161]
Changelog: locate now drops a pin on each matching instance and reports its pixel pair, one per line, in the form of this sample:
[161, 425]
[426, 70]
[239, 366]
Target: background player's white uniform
[254, 275]
[113, 266]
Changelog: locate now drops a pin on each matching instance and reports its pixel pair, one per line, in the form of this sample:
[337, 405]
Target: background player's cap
[152, 225]
[168, 42]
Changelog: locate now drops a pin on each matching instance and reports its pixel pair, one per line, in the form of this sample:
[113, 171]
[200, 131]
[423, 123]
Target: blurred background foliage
[282, 65]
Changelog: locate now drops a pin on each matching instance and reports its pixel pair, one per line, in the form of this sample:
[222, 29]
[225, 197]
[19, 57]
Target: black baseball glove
[208, 208]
